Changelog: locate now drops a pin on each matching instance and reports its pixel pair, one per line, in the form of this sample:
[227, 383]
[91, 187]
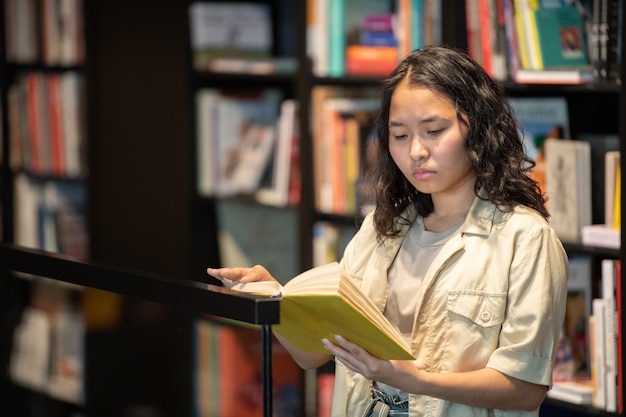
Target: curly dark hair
[494, 140]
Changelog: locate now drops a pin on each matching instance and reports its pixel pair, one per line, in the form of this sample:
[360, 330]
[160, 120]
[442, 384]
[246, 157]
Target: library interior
[143, 142]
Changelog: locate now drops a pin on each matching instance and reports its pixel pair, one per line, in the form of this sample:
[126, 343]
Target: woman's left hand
[359, 360]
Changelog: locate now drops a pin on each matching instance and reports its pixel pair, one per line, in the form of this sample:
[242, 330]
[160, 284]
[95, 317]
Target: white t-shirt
[405, 276]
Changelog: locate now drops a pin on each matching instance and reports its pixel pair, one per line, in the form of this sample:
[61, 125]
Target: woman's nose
[417, 151]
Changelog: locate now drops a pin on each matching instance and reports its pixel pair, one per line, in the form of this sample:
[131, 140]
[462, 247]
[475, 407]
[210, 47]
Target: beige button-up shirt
[493, 297]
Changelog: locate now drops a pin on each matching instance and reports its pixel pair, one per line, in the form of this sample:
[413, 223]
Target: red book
[371, 60]
[33, 84]
[53, 84]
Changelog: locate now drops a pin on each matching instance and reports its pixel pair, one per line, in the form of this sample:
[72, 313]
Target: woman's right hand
[240, 275]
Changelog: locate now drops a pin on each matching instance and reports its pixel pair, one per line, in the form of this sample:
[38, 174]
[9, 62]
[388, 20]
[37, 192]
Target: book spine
[484, 11]
[620, 335]
[336, 38]
[608, 294]
[417, 20]
[599, 361]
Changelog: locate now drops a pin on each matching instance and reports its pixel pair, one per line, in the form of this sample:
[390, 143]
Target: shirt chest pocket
[484, 309]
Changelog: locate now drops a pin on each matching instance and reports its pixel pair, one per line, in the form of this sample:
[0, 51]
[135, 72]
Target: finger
[228, 273]
[256, 273]
[343, 355]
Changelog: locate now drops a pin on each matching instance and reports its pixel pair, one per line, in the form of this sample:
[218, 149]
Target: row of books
[342, 138]
[608, 234]
[248, 143]
[50, 32]
[606, 341]
[45, 128]
[47, 354]
[51, 215]
[572, 169]
[228, 375]
[588, 367]
[238, 37]
[350, 37]
[535, 41]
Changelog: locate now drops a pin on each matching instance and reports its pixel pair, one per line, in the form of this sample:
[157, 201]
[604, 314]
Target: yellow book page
[322, 279]
[306, 319]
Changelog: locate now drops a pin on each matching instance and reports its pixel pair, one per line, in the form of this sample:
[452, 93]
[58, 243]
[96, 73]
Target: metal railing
[188, 295]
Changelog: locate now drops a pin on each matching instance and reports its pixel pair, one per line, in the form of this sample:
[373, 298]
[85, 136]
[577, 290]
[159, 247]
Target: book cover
[540, 118]
[221, 29]
[224, 121]
[323, 302]
[284, 186]
[254, 155]
[578, 311]
[568, 186]
[561, 37]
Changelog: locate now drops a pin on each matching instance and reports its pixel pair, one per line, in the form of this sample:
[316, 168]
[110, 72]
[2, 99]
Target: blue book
[369, 38]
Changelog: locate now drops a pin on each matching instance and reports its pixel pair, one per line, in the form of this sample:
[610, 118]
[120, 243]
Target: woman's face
[426, 141]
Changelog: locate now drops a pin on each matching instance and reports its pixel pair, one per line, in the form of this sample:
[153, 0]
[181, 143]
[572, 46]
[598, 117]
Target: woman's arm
[484, 388]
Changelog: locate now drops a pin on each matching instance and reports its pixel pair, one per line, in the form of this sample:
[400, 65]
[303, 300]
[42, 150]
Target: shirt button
[485, 316]
[422, 318]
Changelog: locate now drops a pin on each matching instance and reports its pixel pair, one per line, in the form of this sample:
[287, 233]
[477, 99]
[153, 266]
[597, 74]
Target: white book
[30, 357]
[601, 235]
[599, 361]
[568, 184]
[287, 128]
[575, 392]
[255, 152]
[610, 332]
[206, 141]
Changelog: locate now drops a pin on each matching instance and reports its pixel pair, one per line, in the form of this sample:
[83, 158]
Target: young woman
[457, 253]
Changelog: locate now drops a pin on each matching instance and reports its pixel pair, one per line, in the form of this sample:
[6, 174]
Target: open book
[323, 302]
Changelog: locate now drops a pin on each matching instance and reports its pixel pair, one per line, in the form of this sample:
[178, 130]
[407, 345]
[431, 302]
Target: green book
[561, 37]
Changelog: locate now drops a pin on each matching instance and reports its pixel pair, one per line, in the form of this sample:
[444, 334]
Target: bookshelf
[135, 155]
[143, 208]
[595, 107]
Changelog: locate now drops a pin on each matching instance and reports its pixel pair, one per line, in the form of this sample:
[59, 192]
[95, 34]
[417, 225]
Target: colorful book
[561, 37]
